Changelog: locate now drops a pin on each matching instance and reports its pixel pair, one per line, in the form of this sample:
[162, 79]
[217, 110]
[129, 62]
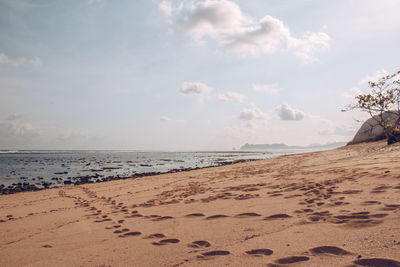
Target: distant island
[284, 146]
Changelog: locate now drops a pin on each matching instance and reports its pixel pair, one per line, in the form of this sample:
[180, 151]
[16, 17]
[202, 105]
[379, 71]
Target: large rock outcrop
[371, 130]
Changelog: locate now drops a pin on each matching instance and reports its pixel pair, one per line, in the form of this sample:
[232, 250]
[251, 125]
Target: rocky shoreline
[95, 178]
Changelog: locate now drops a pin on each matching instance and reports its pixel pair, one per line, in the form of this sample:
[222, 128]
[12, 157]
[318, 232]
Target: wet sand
[333, 208]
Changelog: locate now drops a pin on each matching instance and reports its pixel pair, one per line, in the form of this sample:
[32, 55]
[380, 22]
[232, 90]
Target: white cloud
[286, 112]
[374, 77]
[165, 118]
[252, 114]
[270, 89]
[201, 90]
[352, 92]
[231, 96]
[345, 130]
[210, 18]
[22, 62]
[15, 116]
[342, 130]
[270, 35]
[224, 21]
[72, 136]
[17, 129]
[14, 127]
[166, 7]
[20, 134]
[306, 58]
[194, 88]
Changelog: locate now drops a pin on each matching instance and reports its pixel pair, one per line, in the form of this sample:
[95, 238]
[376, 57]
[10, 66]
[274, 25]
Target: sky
[186, 74]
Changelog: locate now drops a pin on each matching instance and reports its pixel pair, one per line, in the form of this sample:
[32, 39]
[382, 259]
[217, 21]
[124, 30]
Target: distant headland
[284, 146]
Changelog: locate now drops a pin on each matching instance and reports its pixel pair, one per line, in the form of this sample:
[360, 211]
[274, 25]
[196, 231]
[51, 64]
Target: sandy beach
[333, 208]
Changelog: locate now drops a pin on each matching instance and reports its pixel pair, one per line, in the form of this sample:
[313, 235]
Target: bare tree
[382, 104]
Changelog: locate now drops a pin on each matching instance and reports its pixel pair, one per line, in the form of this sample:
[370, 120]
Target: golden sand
[332, 208]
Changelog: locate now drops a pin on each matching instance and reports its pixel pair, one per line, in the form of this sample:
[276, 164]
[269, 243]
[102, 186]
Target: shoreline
[330, 208]
[89, 179]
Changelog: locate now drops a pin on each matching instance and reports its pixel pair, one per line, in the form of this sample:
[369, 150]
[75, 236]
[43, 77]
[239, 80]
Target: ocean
[43, 169]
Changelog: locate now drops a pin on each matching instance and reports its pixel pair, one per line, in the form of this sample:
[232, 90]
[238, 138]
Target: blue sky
[188, 75]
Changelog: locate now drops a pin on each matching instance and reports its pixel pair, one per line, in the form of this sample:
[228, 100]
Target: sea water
[38, 166]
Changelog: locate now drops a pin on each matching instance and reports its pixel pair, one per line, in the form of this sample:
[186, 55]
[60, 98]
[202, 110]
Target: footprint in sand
[276, 195]
[277, 216]
[319, 216]
[329, 250]
[163, 218]
[371, 202]
[377, 191]
[391, 207]
[156, 235]
[379, 215]
[380, 189]
[350, 192]
[216, 217]
[340, 203]
[130, 234]
[192, 215]
[247, 214]
[166, 241]
[199, 244]
[378, 262]
[259, 252]
[136, 215]
[152, 216]
[103, 220]
[292, 259]
[216, 253]
[358, 219]
[246, 196]
[363, 223]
